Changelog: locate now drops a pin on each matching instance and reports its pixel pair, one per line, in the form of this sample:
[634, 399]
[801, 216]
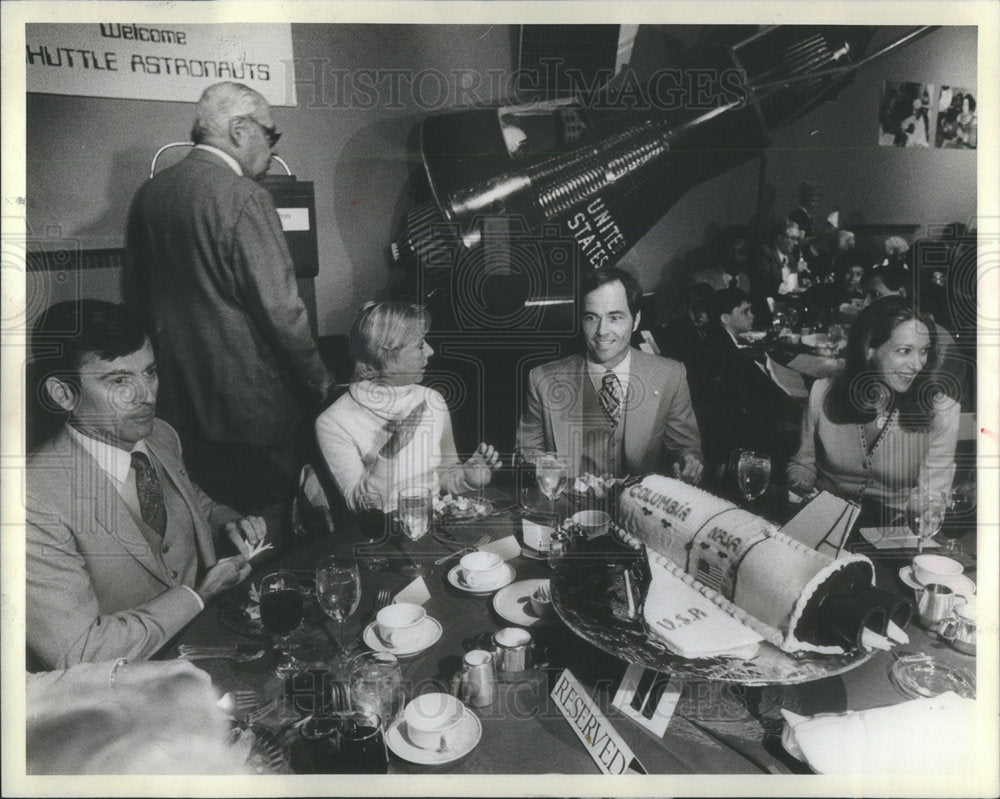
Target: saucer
[431, 634]
[470, 730]
[958, 583]
[513, 603]
[507, 577]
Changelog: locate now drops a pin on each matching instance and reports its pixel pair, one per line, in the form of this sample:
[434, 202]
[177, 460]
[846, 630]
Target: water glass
[352, 743]
[551, 474]
[925, 511]
[753, 474]
[338, 591]
[376, 683]
[415, 508]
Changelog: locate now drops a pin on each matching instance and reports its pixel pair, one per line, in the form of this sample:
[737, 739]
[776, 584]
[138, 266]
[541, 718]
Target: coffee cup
[592, 522]
[480, 569]
[541, 600]
[929, 569]
[401, 624]
[432, 721]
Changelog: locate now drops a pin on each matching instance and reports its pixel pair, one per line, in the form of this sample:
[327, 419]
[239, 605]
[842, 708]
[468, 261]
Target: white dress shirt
[223, 155]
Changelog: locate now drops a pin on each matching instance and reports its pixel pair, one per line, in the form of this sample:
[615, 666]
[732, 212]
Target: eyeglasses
[270, 132]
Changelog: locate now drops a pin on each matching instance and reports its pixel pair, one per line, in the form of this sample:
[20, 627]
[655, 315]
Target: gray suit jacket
[209, 264]
[660, 424]
[96, 588]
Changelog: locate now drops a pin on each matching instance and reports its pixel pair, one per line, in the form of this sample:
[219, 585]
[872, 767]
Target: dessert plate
[513, 603]
[430, 635]
[958, 583]
[507, 577]
[470, 730]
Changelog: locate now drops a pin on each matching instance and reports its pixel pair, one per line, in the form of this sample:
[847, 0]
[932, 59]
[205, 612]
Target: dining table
[716, 727]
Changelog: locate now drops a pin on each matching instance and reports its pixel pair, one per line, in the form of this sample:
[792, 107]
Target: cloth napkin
[692, 625]
[507, 547]
[921, 736]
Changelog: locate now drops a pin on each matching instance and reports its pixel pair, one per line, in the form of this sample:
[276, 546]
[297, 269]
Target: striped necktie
[147, 486]
[610, 397]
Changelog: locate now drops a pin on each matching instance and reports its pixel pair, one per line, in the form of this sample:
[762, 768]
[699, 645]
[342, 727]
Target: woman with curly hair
[886, 424]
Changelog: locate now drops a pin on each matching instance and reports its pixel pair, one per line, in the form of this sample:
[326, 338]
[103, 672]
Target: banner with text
[159, 61]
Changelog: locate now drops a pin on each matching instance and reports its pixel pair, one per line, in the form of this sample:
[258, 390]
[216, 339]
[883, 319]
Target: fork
[237, 654]
[382, 598]
[463, 551]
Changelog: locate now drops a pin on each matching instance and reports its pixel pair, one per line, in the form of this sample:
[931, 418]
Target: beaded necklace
[883, 423]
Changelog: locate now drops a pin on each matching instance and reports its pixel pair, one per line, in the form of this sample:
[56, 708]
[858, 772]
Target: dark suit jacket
[659, 421]
[96, 588]
[209, 263]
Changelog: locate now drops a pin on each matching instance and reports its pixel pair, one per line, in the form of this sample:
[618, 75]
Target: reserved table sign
[604, 745]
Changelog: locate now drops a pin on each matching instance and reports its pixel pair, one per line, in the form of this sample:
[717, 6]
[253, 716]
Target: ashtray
[920, 676]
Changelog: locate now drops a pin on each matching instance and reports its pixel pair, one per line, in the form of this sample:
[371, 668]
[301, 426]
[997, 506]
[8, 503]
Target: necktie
[147, 486]
[610, 397]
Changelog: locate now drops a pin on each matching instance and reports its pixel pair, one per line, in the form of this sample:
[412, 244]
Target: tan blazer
[660, 424]
[96, 588]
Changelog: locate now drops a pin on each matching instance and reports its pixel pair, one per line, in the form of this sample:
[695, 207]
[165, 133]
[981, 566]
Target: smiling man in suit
[614, 410]
[120, 543]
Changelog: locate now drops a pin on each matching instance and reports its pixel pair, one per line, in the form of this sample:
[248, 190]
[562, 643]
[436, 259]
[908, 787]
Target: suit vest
[175, 552]
[601, 445]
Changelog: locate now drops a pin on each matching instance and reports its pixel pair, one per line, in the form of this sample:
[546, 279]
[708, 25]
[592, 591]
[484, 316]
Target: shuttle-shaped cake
[798, 599]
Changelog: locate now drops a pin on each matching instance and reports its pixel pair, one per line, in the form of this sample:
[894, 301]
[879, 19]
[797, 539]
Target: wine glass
[376, 683]
[959, 519]
[338, 591]
[373, 523]
[415, 508]
[551, 473]
[281, 606]
[348, 743]
[924, 513]
[835, 335]
[525, 460]
[753, 474]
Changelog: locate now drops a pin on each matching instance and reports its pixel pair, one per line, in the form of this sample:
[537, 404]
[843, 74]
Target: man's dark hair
[698, 297]
[728, 237]
[601, 277]
[70, 330]
[726, 301]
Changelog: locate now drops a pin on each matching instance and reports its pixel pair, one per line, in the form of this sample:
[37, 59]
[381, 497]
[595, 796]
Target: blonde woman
[388, 431]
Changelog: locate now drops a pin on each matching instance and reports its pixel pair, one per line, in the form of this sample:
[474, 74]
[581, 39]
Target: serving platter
[588, 592]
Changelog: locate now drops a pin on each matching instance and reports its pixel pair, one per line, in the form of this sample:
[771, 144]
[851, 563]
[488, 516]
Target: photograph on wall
[957, 120]
[904, 114]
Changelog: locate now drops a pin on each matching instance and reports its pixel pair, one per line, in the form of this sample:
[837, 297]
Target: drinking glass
[959, 519]
[376, 684]
[415, 508]
[834, 336]
[338, 591]
[924, 513]
[350, 743]
[551, 473]
[753, 474]
[281, 606]
[373, 523]
[525, 461]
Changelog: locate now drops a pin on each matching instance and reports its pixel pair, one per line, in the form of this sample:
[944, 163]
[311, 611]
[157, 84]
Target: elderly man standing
[120, 543]
[615, 410]
[209, 264]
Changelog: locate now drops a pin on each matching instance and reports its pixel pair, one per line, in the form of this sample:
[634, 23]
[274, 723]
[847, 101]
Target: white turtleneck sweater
[353, 430]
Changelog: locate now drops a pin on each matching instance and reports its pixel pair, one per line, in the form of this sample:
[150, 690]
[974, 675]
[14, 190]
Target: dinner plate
[470, 730]
[958, 583]
[455, 578]
[513, 603]
[816, 340]
[451, 513]
[431, 633]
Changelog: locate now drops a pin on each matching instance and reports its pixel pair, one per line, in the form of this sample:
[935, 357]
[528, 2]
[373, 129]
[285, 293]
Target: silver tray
[588, 592]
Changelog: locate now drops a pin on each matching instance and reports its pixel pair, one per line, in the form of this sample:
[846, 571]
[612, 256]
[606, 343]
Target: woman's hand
[402, 432]
[478, 469]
